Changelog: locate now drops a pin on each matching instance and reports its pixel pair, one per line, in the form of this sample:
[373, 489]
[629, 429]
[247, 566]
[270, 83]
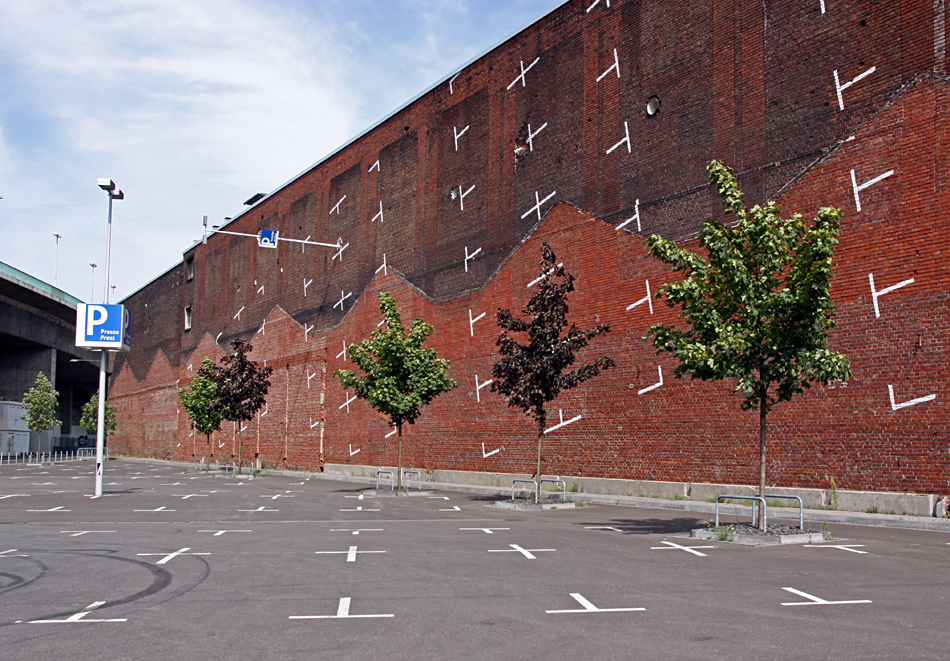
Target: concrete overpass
[38, 334]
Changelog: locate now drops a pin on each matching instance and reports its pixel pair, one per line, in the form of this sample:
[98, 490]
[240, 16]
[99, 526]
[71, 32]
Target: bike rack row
[765, 506]
[549, 480]
[392, 485]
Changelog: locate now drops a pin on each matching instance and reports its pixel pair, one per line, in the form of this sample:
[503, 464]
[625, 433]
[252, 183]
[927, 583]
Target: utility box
[14, 442]
[14, 433]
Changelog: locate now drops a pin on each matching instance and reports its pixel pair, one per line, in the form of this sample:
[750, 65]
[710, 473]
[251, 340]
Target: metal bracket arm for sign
[281, 238]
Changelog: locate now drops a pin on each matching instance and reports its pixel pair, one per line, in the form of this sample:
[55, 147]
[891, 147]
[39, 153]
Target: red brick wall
[751, 86]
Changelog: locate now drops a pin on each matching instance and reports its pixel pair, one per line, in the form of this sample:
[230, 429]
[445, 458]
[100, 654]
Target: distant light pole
[114, 194]
[56, 262]
[92, 285]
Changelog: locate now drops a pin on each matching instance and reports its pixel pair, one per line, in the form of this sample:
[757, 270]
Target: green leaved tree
[90, 415]
[532, 374]
[240, 387]
[41, 403]
[757, 308]
[401, 376]
[197, 402]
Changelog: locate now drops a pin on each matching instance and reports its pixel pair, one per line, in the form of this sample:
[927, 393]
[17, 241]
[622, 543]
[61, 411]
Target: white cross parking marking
[487, 531]
[525, 552]
[277, 495]
[588, 607]
[356, 531]
[818, 601]
[80, 533]
[350, 554]
[843, 547]
[79, 617]
[360, 509]
[342, 612]
[159, 509]
[218, 533]
[259, 509]
[172, 555]
[58, 508]
[454, 508]
[688, 549]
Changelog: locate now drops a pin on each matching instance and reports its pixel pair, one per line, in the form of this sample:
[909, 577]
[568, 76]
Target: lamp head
[106, 184]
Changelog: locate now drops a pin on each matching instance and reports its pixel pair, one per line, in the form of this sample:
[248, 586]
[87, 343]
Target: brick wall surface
[445, 204]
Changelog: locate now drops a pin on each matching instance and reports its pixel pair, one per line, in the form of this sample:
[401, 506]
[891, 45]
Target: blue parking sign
[267, 239]
[103, 327]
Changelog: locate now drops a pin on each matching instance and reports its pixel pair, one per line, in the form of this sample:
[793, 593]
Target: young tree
[197, 402]
[758, 308]
[533, 374]
[41, 404]
[90, 415]
[240, 387]
[401, 376]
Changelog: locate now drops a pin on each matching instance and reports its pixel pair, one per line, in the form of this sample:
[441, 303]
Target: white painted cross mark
[462, 196]
[339, 253]
[523, 72]
[546, 274]
[306, 331]
[312, 423]
[588, 607]
[659, 370]
[595, 3]
[218, 533]
[533, 135]
[913, 402]
[688, 549]
[383, 266]
[238, 315]
[634, 217]
[265, 410]
[374, 166]
[303, 246]
[839, 88]
[528, 553]
[356, 531]
[818, 601]
[261, 329]
[80, 533]
[613, 67]
[537, 207]
[381, 322]
[478, 388]
[306, 283]
[343, 298]
[310, 377]
[648, 299]
[359, 509]
[352, 451]
[350, 554]
[170, 556]
[342, 353]
[379, 214]
[260, 289]
[471, 321]
[563, 422]
[342, 613]
[80, 617]
[887, 290]
[458, 135]
[336, 207]
[470, 257]
[858, 189]
[393, 432]
[844, 547]
[348, 401]
[487, 531]
[626, 139]
[157, 509]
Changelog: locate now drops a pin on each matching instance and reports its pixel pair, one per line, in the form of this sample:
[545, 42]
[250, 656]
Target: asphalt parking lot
[178, 564]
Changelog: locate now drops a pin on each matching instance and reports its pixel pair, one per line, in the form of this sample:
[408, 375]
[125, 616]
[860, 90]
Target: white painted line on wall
[546, 274]
[626, 130]
[563, 422]
[462, 196]
[647, 299]
[659, 370]
[887, 290]
[919, 400]
[354, 452]
[374, 166]
[393, 432]
[478, 388]
[537, 206]
[532, 136]
[349, 400]
[309, 377]
[380, 214]
[524, 70]
[342, 353]
[595, 3]
[634, 217]
[339, 253]
[839, 88]
[471, 321]
[614, 67]
[452, 80]
[343, 298]
[383, 266]
[312, 423]
[469, 257]
[458, 134]
[237, 316]
[336, 207]
[857, 189]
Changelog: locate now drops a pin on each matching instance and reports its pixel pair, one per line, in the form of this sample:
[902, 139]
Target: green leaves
[90, 415]
[401, 376]
[41, 404]
[240, 385]
[757, 307]
[199, 398]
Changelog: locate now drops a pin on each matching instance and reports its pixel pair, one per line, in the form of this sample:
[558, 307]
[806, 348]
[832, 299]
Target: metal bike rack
[758, 498]
[412, 471]
[563, 488]
[514, 482]
[801, 508]
[392, 481]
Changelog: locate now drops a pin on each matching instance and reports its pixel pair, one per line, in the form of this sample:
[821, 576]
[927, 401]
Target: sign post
[104, 327]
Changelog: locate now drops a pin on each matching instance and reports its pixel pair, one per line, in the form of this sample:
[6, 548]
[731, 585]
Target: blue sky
[192, 107]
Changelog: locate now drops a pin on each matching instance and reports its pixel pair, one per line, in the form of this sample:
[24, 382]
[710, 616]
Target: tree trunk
[240, 440]
[537, 493]
[762, 414]
[399, 459]
[208, 454]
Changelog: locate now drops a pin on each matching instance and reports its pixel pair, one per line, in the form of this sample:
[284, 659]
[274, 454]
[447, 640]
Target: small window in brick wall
[188, 318]
[189, 268]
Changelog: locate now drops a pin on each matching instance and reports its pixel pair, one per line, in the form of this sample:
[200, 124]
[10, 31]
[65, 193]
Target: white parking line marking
[218, 533]
[172, 555]
[58, 508]
[525, 552]
[487, 531]
[818, 601]
[843, 547]
[79, 617]
[356, 531]
[588, 607]
[454, 508]
[80, 533]
[259, 509]
[350, 554]
[603, 528]
[342, 612]
[359, 509]
[688, 549]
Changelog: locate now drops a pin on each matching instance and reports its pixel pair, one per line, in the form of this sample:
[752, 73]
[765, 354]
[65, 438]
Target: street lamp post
[92, 284]
[56, 262]
[114, 194]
